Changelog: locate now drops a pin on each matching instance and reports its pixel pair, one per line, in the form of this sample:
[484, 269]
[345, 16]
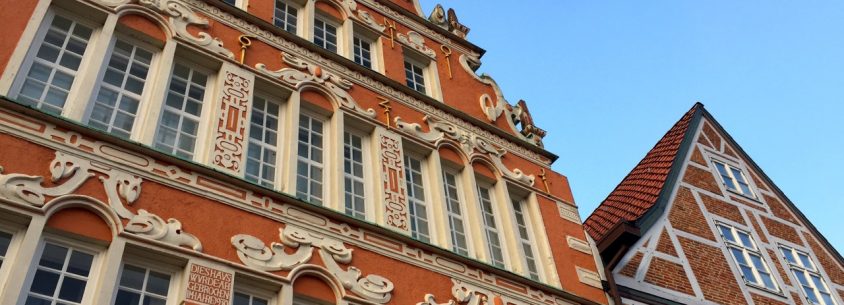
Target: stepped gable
[639, 191]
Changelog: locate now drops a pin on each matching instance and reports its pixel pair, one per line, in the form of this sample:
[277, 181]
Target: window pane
[61, 275]
[183, 106]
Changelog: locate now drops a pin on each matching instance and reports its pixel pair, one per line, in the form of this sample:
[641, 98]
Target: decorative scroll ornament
[455, 26]
[515, 115]
[438, 17]
[71, 172]
[469, 142]
[254, 253]
[351, 7]
[316, 77]
[462, 295]
[180, 16]
[417, 42]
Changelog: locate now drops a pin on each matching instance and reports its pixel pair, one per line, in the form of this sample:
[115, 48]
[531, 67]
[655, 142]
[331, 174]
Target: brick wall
[669, 275]
[781, 230]
[630, 268]
[686, 215]
[713, 274]
[701, 178]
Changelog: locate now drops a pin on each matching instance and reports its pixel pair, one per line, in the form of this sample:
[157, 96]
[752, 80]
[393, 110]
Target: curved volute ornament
[69, 172]
[254, 253]
[307, 74]
[179, 16]
[470, 143]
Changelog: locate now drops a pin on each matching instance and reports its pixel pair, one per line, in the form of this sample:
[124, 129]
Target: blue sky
[607, 79]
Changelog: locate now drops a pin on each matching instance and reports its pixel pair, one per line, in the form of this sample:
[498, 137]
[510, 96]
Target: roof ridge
[640, 189]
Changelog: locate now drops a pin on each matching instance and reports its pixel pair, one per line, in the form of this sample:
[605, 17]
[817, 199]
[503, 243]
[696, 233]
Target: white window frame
[322, 164]
[747, 252]
[467, 248]
[206, 104]
[338, 33]
[144, 259]
[364, 175]
[731, 168]
[414, 63]
[531, 241]
[145, 93]
[299, 15]
[278, 174]
[7, 258]
[70, 243]
[241, 4]
[808, 272]
[494, 227]
[412, 200]
[38, 40]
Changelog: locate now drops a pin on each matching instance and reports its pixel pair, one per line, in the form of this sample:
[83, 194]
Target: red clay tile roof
[638, 192]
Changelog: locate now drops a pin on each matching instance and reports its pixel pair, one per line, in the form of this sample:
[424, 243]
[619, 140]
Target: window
[263, 137]
[415, 75]
[309, 166]
[522, 221]
[416, 195]
[734, 179]
[140, 285]
[178, 128]
[353, 175]
[362, 51]
[753, 267]
[53, 67]
[120, 90]
[241, 298]
[455, 214]
[5, 241]
[285, 16]
[61, 275]
[325, 35]
[493, 240]
[814, 288]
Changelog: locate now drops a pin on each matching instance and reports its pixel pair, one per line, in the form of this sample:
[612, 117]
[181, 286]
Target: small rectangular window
[415, 76]
[61, 275]
[116, 103]
[54, 65]
[455, 214]
[734, 179]
[309, 167]
[242, 298]
[353, 175]
[285, 16]
[139, 285]
[5, 241]
[181, 113]
[747, 256]
[493, 238]
[362, 51]
[522, 226]
[805, 271]
[325, 35]
[263, 136]
[416, 194]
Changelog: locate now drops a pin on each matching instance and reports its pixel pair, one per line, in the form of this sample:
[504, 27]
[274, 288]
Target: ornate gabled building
[698, 222]
[271, 152]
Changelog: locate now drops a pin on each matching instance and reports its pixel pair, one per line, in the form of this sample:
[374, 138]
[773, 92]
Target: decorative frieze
[253, 253]
[235, 91]
[579, 244]
[589, 277]
[470, 143]
[569, 212]
[393, 182]
[70, 172]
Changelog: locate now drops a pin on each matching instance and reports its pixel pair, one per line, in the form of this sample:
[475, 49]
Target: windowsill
[743, 196]
[779, 293]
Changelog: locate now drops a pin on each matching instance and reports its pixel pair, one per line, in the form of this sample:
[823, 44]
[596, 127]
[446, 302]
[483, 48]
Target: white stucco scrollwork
[180, 16]
[417, 42]
[351, 8]
[470, 143]
[254, 253]
[315, 76]
[69, 172]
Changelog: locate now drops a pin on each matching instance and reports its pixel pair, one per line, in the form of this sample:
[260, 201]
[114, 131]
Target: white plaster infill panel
[569, 212]
[393, 184]
[589, 277]
[208, 285]
[235, 88]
